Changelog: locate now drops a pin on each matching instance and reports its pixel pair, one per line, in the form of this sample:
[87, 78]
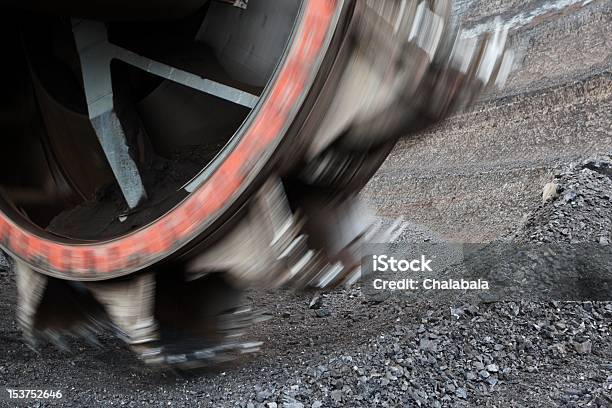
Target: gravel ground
[391, 353]
[577, 207]
[476, 177]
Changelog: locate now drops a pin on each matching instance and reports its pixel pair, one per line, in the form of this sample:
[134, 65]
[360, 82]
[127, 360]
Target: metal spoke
[188, 79]
[95, 59]
[96, 54]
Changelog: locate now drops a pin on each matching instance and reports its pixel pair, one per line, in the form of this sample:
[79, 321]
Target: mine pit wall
[477, 174]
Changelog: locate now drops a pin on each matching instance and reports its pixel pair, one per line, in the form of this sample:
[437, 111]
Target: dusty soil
[348, 350]
[476, 177]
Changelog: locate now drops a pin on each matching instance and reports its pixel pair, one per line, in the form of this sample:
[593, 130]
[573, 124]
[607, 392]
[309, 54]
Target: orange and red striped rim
[183, 223]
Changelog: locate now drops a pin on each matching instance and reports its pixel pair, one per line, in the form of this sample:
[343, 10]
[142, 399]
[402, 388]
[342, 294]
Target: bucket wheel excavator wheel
[162, 156]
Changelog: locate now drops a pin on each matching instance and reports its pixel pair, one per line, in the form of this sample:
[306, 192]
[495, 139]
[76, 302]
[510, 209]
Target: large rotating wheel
[162, 156]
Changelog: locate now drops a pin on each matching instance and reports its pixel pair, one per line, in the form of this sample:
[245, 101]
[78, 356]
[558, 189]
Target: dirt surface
[347, 350]
[475, 177]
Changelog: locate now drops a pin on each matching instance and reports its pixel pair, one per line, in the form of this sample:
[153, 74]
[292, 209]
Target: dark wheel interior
[56, 174]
